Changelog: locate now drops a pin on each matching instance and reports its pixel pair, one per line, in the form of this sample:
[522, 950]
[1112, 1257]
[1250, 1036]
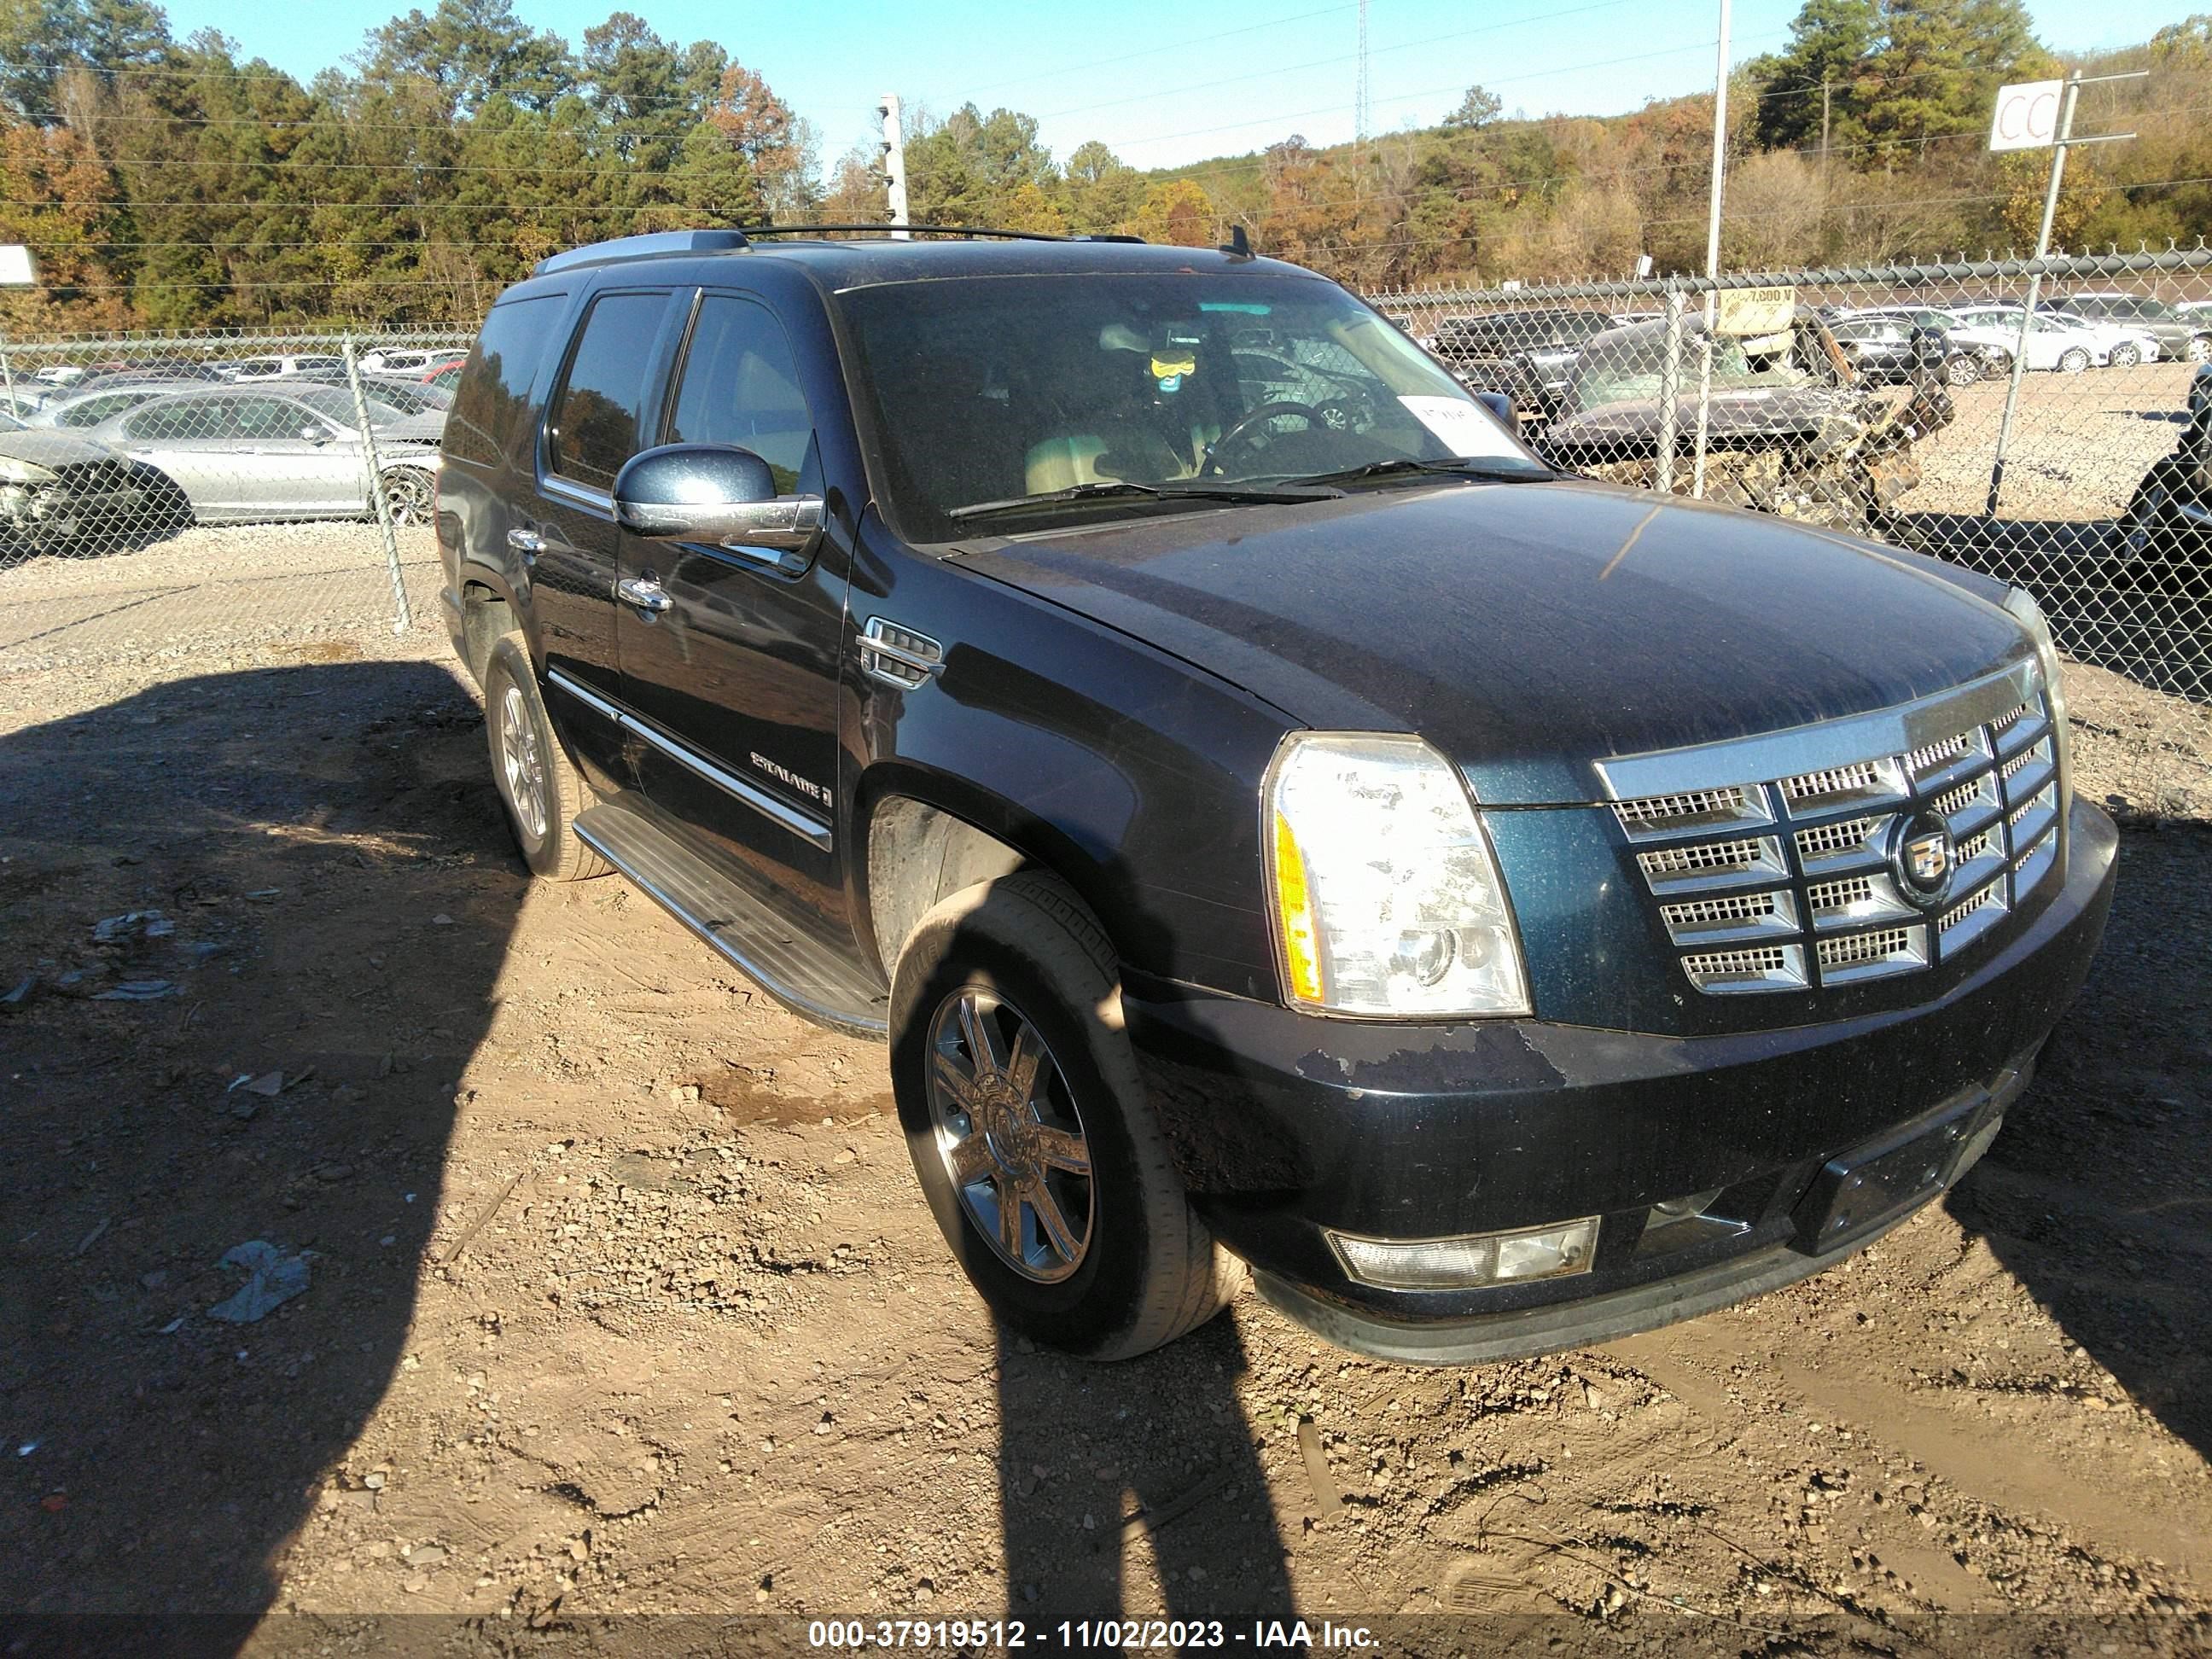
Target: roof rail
[758, 231]
[657, 243]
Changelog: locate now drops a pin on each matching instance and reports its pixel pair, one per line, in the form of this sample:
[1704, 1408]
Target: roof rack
[936, 230]
[660, 243]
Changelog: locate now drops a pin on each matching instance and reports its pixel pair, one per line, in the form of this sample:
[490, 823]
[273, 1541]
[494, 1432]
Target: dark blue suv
[1273, 818]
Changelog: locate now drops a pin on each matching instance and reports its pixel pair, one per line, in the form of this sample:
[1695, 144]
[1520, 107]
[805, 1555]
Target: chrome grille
[1809, 898]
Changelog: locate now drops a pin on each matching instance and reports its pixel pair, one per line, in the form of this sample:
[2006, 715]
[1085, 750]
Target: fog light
[1470, 1259]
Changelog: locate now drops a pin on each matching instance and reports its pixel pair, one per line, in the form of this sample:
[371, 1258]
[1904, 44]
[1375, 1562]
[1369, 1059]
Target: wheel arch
[926, 835]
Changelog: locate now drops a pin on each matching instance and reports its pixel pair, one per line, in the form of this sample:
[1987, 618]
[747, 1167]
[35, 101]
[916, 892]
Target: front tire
[2126, 356]
[541, 791]
[2073, 360]
[1964, 369]
[1029, 1129]
[2199, 349]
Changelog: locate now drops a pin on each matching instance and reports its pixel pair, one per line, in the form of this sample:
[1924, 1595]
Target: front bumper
[1288, 1128]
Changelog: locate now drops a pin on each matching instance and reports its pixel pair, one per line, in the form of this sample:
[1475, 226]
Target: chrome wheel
[1011, 1139]
[2125, 356]
[2072, 361]
[410, 496]
[2200, 349]
[522, 764]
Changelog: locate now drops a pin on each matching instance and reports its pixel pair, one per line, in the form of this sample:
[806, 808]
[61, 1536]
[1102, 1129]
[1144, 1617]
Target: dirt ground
[621, 1297]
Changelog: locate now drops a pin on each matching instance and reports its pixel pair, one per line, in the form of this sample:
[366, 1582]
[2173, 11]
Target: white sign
[1744, 310]
[2026, 116]
[16, 267]
[1465, 428]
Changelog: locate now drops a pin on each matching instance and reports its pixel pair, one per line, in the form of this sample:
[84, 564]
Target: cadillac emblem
[1922, 857]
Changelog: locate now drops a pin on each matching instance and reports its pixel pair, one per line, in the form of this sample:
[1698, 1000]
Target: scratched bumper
[1286, 1125]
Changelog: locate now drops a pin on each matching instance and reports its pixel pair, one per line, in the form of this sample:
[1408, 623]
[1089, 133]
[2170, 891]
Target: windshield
[998, 389]
[1626, 367]
[335, 405]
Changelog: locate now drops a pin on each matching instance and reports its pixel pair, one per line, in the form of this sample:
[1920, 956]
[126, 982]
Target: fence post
[1705, 390]
[1670, 390]
[8, 373]
[401, 617]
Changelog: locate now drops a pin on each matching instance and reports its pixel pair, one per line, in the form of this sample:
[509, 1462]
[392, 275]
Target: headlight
[23, 472]
[2029, 615]
[1387, 902]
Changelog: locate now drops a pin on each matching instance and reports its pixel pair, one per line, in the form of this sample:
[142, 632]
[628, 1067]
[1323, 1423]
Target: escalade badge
[1922, 857]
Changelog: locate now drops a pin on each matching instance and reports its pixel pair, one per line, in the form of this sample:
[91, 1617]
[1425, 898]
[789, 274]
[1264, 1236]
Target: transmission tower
[1362, 102]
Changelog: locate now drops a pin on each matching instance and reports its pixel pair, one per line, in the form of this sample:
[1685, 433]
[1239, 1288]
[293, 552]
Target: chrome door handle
[645, 593]
[525, 541]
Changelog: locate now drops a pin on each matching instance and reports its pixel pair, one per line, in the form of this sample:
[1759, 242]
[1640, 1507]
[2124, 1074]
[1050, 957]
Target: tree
[777, 148]
[1830, 45]
[1178, 211]
[1477, 110]
[472, 49]
[1100, 189]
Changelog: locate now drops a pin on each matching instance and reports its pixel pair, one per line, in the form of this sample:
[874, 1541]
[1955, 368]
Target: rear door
[737, 679]
[198, 443]
[301, 461]
[603, 403]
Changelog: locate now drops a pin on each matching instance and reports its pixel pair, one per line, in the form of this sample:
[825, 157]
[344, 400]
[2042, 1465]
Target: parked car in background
[1530, 355]
[1791, 428]
[2125, 344]
[2053, 342]
[84, 407]
[1893, 350]
[1974, 353]
[395, 360]
[242, 454]
[2163, 543]
[61, 492]
[59, 374]
[447, 375]
[2179, 336]
[276, 368]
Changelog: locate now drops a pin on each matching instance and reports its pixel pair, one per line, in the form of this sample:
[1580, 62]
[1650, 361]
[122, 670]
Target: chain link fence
[179, 495]
[2048, 423]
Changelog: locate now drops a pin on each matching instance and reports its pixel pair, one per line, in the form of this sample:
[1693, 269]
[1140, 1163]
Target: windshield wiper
[1456, 467]
[1296, 490]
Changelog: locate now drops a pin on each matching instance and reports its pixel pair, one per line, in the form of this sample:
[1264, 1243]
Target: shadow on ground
[335, 896]
[2098, 1194]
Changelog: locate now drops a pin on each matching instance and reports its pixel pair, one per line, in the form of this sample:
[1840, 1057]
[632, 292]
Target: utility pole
[1825, 91]
[1712, 258]
[894, 160]
[2063, 138]
[1362, 106]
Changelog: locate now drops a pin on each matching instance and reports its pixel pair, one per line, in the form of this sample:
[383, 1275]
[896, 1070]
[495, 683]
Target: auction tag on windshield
[1465, 428]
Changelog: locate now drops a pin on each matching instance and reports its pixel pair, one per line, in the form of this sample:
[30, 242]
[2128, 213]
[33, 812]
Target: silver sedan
[260, 453]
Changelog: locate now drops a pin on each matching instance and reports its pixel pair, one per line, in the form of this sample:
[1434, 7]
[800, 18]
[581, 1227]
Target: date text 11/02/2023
[973, 1634]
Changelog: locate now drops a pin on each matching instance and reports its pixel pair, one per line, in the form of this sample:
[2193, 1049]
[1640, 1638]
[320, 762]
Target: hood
[423, 428]
[46, 447]
[1528, 629]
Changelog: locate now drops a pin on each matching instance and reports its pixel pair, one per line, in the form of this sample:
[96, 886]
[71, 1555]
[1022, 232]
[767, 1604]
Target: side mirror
[717, 494]
[314, 434]
[1502, 406]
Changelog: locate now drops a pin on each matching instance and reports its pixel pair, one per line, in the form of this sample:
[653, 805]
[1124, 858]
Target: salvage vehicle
[1971, 353]
[1503, 910]
[267, 453]
[62, 492]
[2163, 543]
[1790, 427]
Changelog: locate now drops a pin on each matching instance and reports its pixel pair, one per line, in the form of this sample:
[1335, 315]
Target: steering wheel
[1243, 430]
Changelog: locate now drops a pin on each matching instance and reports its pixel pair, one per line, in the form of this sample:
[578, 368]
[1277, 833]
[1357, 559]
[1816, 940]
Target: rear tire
[541, 791]
[1122, 1263]
[1964, 369]
[411, 494]
[2199, 349]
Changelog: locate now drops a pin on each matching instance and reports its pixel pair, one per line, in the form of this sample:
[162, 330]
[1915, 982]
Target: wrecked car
[1791, 427]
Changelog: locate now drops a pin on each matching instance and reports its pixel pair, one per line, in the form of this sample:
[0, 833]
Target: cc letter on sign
[2026, 116]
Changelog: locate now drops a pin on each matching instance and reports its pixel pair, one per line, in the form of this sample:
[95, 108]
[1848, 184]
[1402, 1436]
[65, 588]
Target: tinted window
[594, 424]
[186, 417]
[740, 386]
[494, 388]
[93, 410]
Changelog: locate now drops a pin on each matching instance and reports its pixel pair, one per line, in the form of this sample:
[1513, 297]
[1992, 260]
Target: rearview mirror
[718, 494]
[1502, 406]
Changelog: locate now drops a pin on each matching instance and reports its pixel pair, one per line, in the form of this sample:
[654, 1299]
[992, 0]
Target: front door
[736, 680]
[594, 421]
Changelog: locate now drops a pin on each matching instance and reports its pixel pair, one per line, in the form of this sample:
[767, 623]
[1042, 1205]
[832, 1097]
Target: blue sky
[1165, 81]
